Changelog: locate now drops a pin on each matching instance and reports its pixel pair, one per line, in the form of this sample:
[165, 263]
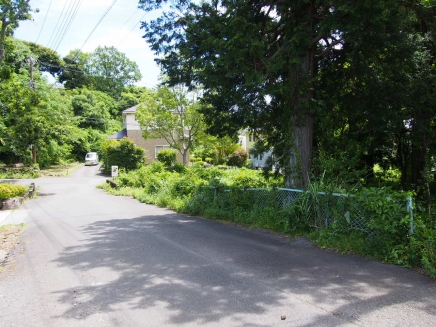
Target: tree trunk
[3, 38]
[185, 157]
[300, 153]
[300, 162]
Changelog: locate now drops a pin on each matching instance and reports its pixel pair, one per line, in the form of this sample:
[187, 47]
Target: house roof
[132, 109]
[117, 136]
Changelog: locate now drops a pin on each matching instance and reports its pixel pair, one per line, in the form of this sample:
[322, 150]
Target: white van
[91, 158]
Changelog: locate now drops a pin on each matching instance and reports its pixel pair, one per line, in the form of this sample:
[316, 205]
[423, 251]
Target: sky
[119, 28]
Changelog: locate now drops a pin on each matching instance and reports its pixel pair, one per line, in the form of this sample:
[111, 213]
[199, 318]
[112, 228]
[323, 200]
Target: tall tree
[75, 72]
[33, 117]
[169, 113]
[111, 71]
[106, 69]
[259, 61]
[11, 13]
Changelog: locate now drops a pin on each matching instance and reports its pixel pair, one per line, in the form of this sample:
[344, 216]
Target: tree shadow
[152, 267]
[203, 271]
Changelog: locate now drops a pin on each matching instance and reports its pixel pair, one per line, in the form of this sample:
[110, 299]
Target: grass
[61, 170]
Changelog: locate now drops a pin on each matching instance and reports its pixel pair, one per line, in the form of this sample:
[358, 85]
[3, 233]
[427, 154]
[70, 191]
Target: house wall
[149, 145]
[130, 123]
[247, 140]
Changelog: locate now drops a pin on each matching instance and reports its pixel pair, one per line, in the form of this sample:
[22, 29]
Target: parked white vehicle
[91, 158]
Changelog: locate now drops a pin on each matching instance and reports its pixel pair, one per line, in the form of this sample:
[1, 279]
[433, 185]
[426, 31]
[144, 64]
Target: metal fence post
[410, 210]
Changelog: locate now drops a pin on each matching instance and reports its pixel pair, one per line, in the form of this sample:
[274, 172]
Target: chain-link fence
[322, 210]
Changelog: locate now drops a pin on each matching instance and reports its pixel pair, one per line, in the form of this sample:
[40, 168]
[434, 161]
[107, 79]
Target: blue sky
[120, 28]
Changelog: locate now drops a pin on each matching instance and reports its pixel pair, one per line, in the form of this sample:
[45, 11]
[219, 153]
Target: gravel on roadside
[9, 238]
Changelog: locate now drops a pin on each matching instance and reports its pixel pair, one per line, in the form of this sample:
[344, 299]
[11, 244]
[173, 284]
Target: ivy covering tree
[262, 64]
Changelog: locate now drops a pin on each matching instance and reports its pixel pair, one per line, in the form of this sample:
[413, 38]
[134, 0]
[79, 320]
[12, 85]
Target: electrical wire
[131, 30]
[57, 23]
[101, 19]
[129, 19]
[69, 23]
[61, 28]
[43, 23]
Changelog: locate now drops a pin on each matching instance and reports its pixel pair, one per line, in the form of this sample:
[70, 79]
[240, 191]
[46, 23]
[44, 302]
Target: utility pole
[32, 62]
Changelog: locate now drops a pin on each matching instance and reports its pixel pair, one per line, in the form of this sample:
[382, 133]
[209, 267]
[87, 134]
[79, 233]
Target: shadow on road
[202, 271]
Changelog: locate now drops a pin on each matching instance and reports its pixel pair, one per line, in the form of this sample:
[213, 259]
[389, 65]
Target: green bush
[238, 157]
[178, 167]
[11, 191]
[124, 154]
[167, 156]
[19, 173]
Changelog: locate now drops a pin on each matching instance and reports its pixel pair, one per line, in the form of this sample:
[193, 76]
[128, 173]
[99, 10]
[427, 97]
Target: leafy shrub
[167, 156]
[11, 191]
[124, 154]
[238, 157]
[20, 173]
[178, 167]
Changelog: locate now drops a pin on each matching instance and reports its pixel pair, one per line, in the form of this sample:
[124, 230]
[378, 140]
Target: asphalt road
[90, 259]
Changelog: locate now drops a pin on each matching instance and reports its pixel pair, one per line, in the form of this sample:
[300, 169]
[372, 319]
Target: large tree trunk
[300, 163]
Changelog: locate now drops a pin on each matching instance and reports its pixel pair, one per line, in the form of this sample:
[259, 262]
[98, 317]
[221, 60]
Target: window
[159, 148]
[249, 137]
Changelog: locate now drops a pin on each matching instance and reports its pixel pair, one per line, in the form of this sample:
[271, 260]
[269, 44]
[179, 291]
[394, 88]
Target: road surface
[87, 258]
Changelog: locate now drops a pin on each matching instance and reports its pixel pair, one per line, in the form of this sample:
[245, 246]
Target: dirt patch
[9, 238]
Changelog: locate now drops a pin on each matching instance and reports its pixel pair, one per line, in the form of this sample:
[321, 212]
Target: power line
[43, 23]
[57, 23]
[79, 2]
[63, 24]
[104, 15]
[129, 18]
[131, 30]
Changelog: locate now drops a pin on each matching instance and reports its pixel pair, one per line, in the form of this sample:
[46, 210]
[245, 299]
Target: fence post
[410, 211]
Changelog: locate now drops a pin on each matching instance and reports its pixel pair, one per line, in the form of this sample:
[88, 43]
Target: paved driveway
[91, 259]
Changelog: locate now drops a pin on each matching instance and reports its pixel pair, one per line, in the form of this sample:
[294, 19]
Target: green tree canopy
[260, 63]
[93, 108]
[111, 71]
[48, 60]
[169, 113]
[106, 69]
[11, 13]
[75, 72]
[41, 118]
